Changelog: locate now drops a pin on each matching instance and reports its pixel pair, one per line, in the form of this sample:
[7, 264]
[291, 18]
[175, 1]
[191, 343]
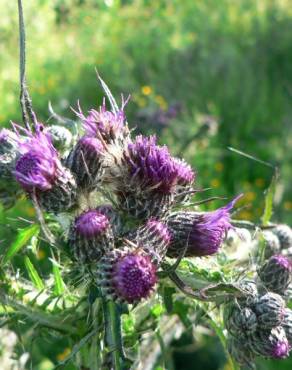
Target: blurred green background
[204, 75]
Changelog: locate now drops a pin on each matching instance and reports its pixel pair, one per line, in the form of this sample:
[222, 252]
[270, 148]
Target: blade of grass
[22, 239]
[33, 274]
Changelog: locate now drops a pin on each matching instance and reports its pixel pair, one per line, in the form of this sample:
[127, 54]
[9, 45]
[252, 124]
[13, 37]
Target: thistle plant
[131, 249]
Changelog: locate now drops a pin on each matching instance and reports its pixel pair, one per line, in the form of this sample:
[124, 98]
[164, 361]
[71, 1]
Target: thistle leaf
[33, 274]
[22, 239]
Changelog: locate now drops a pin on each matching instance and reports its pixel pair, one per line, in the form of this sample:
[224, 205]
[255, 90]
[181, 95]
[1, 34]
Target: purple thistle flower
[90, 236]
[38, 166]
[152, 165]
[280, 350]
[134, 277]
[39, 170]
[202, 233]
[127, 275]
[85, 161]
[186, 175]
[91, 223]
[109, 125]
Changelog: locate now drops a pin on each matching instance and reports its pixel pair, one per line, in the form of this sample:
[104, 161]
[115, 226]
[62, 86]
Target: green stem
[113, 336]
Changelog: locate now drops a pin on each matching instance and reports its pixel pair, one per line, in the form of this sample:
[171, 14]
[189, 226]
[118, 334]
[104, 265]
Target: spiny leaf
[33, 274]
[22, 239]
[269, 196]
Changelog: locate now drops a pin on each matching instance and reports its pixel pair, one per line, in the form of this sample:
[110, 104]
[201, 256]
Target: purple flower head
[209, 230]
[103, 122]
[160, 230]
[282, 261]
[152, 164]
[90, 145]
[186, 175]
[38, 165]
[134, 277]
[91, 223]
[280, 349]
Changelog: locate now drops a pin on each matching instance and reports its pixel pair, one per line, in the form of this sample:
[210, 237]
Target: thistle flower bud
[8, 153]
[271, 343]
[269, 309]
[276, 274]
[39, 170]
[85, 162]
[240, 321]
[112, 215]
[126, 275]
[240, 352]
[249, 288]
[284, 234]
[103, 124]
[272, 243]
[287, 325]
[201, 233]
[62, 138]
[91, 236]
[154, 238]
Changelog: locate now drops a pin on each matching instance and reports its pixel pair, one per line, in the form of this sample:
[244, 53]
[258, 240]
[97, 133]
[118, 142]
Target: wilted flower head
[127, 275]
[37, 167]
[107, 124]
[201, 233]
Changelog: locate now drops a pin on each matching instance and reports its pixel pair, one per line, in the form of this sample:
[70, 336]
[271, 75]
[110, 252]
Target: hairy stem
[113, 336]
[25, 100]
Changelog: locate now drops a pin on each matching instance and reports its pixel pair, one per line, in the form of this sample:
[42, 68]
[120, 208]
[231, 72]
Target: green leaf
[269, 196]
[33, 274]
[22, 239]
[59, 283]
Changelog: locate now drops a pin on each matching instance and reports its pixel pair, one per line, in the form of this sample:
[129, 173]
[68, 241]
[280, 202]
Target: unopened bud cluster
[259, 323]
